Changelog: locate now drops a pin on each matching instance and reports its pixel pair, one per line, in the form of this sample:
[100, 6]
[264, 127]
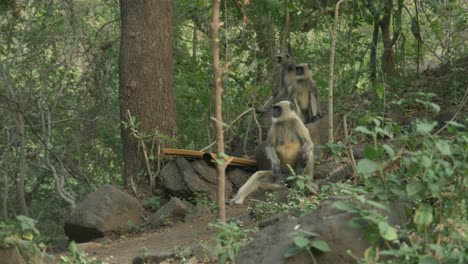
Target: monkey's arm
[314, 107]
[273, 157]
[306, 159]
[297, 109]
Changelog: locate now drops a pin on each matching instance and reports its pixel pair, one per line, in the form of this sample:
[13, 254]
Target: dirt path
[178, 236]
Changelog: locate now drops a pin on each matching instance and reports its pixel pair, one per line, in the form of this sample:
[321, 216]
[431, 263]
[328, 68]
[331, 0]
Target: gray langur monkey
[287, 77]
[305, 93]
[288, 142]
[287, 74]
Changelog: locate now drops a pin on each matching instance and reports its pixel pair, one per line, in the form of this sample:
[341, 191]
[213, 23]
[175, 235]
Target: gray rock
[332, 171]
[206, 171]
[332, 225]
[161, 256]
[173, 180]
[196, 183]
[191, 178]
[238, 177]
[174, 210]
[105, 210]
[204, 253]
[198, 212]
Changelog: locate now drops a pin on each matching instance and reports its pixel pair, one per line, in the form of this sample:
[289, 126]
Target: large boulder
[182, 178]
[206, 171]
[173, 180]
[103, 211]
[272, 242]
[332, 171]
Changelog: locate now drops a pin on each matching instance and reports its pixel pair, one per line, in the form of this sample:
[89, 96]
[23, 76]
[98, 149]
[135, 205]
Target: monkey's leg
[260, 179]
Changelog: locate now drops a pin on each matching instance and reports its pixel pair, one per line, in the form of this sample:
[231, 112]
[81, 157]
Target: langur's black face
[276, 111]
[283, 107]
[300, 70]
[282, 58]
[278, 59]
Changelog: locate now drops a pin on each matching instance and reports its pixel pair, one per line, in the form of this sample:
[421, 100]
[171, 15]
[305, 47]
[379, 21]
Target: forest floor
[174, 238]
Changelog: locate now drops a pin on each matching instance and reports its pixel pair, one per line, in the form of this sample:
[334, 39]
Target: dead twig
[231, 124]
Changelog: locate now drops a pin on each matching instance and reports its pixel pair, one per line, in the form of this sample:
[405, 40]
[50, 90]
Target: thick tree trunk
[388, 58]
[146, 72]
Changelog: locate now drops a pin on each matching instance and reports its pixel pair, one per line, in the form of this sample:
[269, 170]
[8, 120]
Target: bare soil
[175, 237]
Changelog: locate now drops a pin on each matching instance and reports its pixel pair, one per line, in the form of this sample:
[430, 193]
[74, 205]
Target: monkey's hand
[303, 159]
[276, 170]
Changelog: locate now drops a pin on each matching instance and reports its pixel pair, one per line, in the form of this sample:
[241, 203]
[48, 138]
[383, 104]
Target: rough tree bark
[146, 69]
[388, 57]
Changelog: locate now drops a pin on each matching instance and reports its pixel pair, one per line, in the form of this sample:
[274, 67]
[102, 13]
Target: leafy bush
[432, 176]
[152, 202]
[77, 256]
[230, 237]
[21, 234]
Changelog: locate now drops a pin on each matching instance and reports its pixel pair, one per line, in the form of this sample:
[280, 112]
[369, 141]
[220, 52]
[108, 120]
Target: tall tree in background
[146, 72]
[388, 57]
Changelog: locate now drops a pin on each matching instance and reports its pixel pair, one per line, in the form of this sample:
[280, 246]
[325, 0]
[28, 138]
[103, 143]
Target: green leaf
[292, 252]
[72, 247]
[370, 255]
[344, 206]
[423, 216]
[26, 222]
[364, 130]
[372, 152]
[300, 241]
[380, 89]
[443, 147]
[367, 167]
[300, 184]
[387, 231]
[321, 245]
[413, 188]
[390, 151]
[383, 132]
[427, 260]
[425, 127]
[377, 205]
